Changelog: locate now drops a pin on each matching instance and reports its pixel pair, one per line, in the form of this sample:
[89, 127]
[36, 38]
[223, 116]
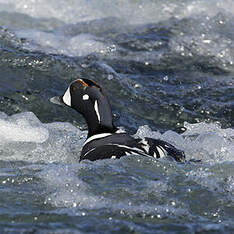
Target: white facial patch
[97, 110]
[85, 97]
[67, 97]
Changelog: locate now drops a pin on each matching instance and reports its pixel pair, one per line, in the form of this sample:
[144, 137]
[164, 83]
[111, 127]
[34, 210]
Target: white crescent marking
[161, 151]
[97, 136]
[67, 97]
[145, 145]
[139, 151]
[89, 151]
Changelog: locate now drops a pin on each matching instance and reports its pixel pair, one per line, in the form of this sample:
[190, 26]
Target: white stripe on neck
[97, 136]
[97, 111]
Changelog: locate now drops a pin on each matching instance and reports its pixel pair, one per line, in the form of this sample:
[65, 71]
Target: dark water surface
[166, 66]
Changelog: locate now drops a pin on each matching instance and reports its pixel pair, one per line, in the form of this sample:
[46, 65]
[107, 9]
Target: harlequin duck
[104, 139]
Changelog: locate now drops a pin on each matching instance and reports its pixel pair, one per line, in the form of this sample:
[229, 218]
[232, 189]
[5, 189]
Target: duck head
[87, 98]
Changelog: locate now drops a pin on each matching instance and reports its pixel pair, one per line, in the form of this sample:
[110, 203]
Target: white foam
[72, 184]
[24, 137]
[145, 131]
[134, 12]
[202, 38]
[22, 128]
[80, 45]
[83, 187]
[71, 191]
[208, 142]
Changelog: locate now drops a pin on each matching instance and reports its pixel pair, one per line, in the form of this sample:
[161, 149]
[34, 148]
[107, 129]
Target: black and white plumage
[104, 139]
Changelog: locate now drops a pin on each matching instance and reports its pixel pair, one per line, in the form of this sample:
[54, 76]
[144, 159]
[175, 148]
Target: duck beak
[57, 100]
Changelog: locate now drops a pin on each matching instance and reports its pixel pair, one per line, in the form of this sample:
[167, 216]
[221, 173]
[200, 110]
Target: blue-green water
[167, 67]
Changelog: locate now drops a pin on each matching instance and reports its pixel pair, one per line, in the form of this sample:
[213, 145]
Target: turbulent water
[167, 67]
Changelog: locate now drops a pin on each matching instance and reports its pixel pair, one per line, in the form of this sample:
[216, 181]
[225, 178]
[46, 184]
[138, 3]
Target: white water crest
[205, 141]
[73, 28]
[134, 12]
[24, 137]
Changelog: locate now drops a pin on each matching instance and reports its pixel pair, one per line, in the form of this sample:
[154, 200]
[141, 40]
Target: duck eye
[73, 88]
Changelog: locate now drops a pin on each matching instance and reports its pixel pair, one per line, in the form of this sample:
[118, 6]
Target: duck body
[117, 145]
[104, 139]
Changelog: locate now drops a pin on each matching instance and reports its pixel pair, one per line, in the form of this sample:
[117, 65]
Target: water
[167, 67]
